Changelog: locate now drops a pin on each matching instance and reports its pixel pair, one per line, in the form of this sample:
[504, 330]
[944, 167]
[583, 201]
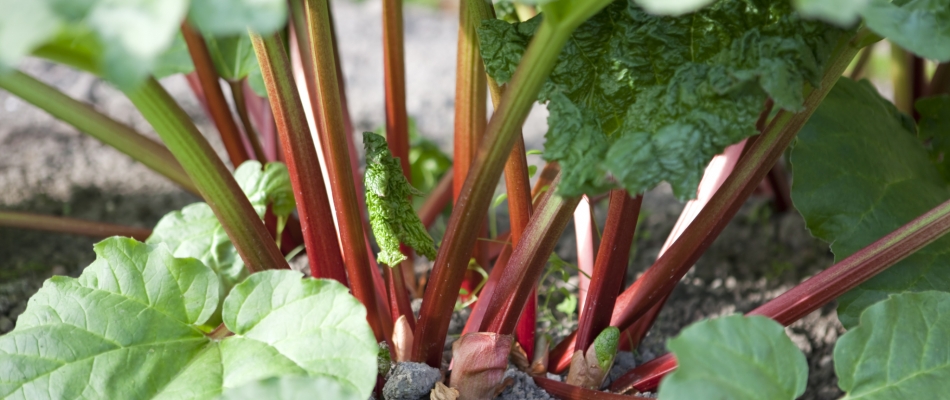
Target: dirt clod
[410, 381]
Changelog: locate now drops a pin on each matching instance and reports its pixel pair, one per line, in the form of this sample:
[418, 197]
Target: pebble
[410, 381]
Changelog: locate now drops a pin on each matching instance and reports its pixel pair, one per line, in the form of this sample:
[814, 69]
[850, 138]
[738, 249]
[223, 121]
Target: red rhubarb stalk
[70, 225]
[217, 105]
[824, 287]
[313, 206]
[343, 189]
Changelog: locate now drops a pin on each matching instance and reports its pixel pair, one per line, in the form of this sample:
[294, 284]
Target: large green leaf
[127, 329]
[934, 130]
[637, 99]
[195, 231]
[233, 17]
[916, 25]
[899, 351]
[860, 173]
[291, 388]
[735, 357]
[920, 26]
[390, 211]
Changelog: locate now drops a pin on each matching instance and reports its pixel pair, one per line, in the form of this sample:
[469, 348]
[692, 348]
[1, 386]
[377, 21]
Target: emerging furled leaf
[860, 173]
[390, 211]
[735, 357]
[899, 350]
[934, 131]
[127, 329]
[637, 99]
[195, 231]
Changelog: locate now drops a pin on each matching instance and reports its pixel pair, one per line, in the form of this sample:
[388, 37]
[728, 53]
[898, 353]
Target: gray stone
[522, 387]
[410, 381]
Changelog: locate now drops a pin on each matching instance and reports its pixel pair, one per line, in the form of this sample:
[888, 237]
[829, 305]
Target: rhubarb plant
[638, 93]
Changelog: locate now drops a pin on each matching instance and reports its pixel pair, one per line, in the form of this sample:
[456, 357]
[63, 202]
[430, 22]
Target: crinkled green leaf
[899, 351]
[735, 357]
[920, 26]
[175, 60]
[126, 329]
[672, 7]
[390, 212]
[265, 186]
[934, 131]
[290, 388]
[637, 99]
[233, 17]
[195, 231]
[861, 173]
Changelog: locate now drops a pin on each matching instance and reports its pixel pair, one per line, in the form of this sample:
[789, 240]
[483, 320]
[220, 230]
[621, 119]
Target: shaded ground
[49, 168]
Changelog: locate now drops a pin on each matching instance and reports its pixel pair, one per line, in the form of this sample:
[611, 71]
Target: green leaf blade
[289, 314]
[899, 349]
[636, 99]
[860, 173]
[735, 357]
[918, 25]
[290, 388]
[127, 329]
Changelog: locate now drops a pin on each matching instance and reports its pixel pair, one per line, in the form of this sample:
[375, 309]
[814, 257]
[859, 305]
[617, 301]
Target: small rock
[522, 387]
[410, 381]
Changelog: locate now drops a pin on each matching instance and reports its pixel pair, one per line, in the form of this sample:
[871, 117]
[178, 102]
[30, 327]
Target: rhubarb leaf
[175, 60]
[24, 26]
[127, 328]
[637, 99]
[195, 231]
[672, 7]
[917, 25]
[840, 12]
[861, 173]
[233, 56]
[735, 357]
[291, 388]
[233, 17]
[265, 186]
[934, 131]
[390, 211]
[899, 350]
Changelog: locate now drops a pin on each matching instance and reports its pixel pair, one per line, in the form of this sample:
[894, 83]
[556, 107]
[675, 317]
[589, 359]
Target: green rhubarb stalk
[214, 181]
[561, 18]
[97, 125]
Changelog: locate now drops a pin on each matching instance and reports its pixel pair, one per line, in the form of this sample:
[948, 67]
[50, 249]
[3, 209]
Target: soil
[49, 168]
